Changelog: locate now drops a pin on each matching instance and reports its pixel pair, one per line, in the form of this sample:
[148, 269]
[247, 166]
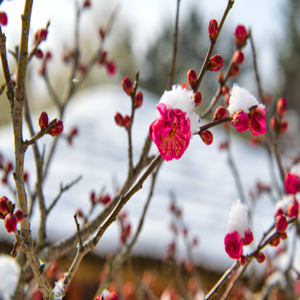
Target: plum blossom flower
[175, 123]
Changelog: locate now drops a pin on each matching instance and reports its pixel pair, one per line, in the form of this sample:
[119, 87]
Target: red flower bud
[241, 35]
[260, 257]
[248, 239]
[57, 128]
[127, 86]
[19, 215]
[233, 245]
[215, 63]
[184, 86]
[281, 223]
[112, 296]
[10, 222]
[41, 35]
[111, 68]
[138, 99]
[220, 77]
[281, 106]
[127, 121]
[4, 208]
[87, 3]
[213, 29]
[293, 209]
[220, 113]
[48, 55]
[192, 77]
[43, 120]
[79, 213]
[93, 197]
[206, 137]
[279, 212]
[3, 18]
[104, 199]
[197, 98]
[240, 121]
[275, 241]
[8, 167]
[234, 71]
[284, 126]
[39, 53]
[243, 260]
[274, 123]
[225, 90]
[292, 183]
[119, 119]
[283, 236]
[238, 57]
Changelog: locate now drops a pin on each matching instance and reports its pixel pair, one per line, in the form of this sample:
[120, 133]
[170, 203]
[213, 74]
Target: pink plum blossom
[258, 121]
[240, 121]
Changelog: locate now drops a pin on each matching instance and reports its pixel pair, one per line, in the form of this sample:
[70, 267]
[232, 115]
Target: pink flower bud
[93, 197]
[192, 77]
[104, 199]
[281, 223]
[243, 260]
[10, 222]
[274, 123]
[87, 3]
[240, 121]
[43, 120]
[241, 35]
[233, 245]
[213, 29]
[4, 208]
[220, 113]
[215, 63]
[293, 209]
[111, 68]
[284, 126]
[138, 99]
[292, 183]
[127, 121]
[234, 71]
[57, 128]
[119, 119]
[283, 236]
[197, 98]
[238, 57]
[281, 106]
[127, 86]
[8, 167]
[39, 53]
[248, 239]
[19, 215]
[260, 257]
[41, 35]
[206, 136]
[275, 241]
[257, 121]
[3, 18]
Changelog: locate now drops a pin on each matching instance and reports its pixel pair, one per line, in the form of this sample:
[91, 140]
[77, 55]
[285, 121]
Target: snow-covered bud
[119, 119]
[19, 215]
[293, 209]
[233, 245]
[240, 121]
[274, 122]
[111, 68]
[93, 197]
[260, 257]
[238, 57]
[87, 3]
[220, 77]
[56, 129]
[220, 113]
[257, 121]
[213, 29]
[283, 236]
[3, 18]
[10, 222]
[127, 121]
[225, 90]
[39, 53]
[206, 136]
[43, 120]
[243, 260]
[292, 180]
[284, 126]
[4, 208]
[215, 63]
[248, 239]
[138, 99]
[127, 86]
[197, 97]
[281, 106]
[275, 241]
[281, 223]
[41, 35]
[241, 35]
[234, 71]
[192, 77]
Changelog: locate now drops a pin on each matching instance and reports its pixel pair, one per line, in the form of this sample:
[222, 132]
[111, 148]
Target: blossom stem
[212, 124]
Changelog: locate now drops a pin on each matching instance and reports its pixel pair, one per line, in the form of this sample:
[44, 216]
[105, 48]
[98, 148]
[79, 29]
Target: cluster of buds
[276, 122]
[288, 205]
[110, 66]
[238, 58]
[192, 79]
[55, 130]
[125, 227]
[292, 180]
[46, 58]
[9, 214]
[3, 18]
[7, 167]
[71, 135]
[122, 121]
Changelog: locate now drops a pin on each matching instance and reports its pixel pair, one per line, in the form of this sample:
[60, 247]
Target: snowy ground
[201, 180]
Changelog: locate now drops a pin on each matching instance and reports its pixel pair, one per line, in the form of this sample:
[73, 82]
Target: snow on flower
[175, 123]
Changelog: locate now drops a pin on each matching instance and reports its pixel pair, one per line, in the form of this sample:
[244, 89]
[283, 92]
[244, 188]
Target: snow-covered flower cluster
[288, 205]
[238, 232]
[292, 180]
[246, 112]
[175, 124]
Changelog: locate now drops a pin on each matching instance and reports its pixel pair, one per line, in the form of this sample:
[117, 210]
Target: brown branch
[212, 124]
[211, 47]
[175, 38]
[80, 246]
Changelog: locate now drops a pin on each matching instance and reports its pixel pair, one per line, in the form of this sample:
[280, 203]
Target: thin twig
[78, 233]
[212, 124]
